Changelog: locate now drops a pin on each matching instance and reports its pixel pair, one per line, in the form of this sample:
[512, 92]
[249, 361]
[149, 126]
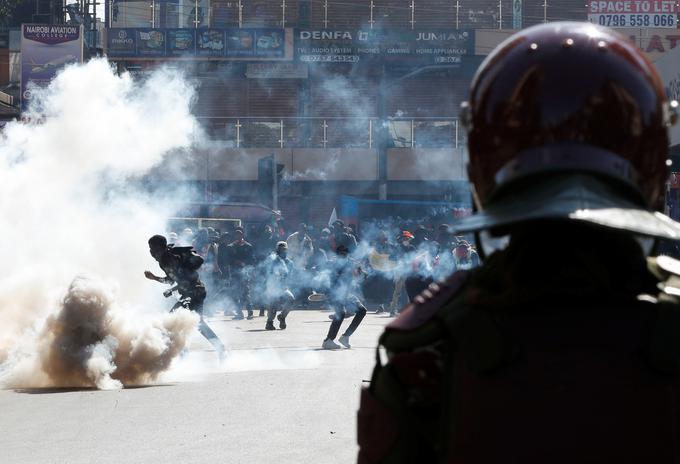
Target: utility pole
[325, 13]
[500, 14]
[283, 13]
[457, 14]
[545, 11]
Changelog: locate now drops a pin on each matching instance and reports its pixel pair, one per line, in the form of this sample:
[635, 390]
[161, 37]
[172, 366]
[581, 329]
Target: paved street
[278, 399]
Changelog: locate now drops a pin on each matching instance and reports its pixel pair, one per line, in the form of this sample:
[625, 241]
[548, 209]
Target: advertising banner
[234, 43]
[403, 47]
[210, 42]
[150, 42]
[180, 42]
[633, 13]
[122, 42]
[46, 49]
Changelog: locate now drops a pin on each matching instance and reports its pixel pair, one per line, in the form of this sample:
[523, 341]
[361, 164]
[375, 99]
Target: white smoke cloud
[70, 210]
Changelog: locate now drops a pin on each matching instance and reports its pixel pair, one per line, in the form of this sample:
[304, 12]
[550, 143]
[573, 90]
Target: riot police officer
[563, 346]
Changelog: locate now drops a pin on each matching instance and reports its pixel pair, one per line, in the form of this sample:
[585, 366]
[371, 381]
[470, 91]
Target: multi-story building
[354, 98]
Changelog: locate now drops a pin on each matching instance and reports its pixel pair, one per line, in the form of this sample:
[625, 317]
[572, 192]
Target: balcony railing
[314, 132]
[351, 14]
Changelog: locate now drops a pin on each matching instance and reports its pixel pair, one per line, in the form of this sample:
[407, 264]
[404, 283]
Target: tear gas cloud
[345, 96]
[378, 254]
[75, 309]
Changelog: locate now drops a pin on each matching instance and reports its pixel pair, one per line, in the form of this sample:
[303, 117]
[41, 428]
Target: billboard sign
[122, 43]
[180, 42]
[150, 42]
[633, 13]
[225, 44]
[45, 50]
[404, 47]
[210, 42]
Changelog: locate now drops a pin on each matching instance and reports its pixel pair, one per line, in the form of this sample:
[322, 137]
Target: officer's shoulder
[667, 270]
[425, 305]
[663, 266]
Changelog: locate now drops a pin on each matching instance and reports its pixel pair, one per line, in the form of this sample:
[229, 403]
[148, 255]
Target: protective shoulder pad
[667, 270]
[428, 302]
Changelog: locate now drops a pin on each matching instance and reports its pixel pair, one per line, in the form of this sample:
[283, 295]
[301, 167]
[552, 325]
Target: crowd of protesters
[266, 269]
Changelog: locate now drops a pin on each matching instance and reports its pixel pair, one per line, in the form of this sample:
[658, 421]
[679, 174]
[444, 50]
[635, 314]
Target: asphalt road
[278, 399]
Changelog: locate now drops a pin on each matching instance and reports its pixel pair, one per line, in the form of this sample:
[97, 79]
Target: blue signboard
[269, 43]
[422, 47]
[210, 42]
[180, 42]
[150, 42]
[121, 42]
[241, 43]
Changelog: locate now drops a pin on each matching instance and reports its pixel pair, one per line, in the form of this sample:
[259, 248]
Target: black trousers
[339, 316]
[241, 293]
[194, 302]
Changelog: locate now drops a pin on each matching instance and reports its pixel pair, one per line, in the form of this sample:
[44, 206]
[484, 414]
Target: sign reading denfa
[328, 35]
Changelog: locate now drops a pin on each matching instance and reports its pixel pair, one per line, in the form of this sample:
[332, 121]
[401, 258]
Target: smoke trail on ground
[66, 177]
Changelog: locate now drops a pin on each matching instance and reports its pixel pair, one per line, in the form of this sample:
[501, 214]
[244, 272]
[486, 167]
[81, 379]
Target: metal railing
[336, 13]
[317, 132]
[425, 132]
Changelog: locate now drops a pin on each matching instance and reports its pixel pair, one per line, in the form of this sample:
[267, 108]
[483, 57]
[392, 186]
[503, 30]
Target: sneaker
[329, 344]
[344, 340]
[380, 310]
[282, 322]
[238, 317]
[270, 326]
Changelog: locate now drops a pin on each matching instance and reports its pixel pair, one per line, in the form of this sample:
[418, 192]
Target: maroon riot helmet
[568, 121]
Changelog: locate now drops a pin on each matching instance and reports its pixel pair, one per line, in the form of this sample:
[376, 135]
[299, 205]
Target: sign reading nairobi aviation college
[633, 13]
[344, 46]
[46, 49]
